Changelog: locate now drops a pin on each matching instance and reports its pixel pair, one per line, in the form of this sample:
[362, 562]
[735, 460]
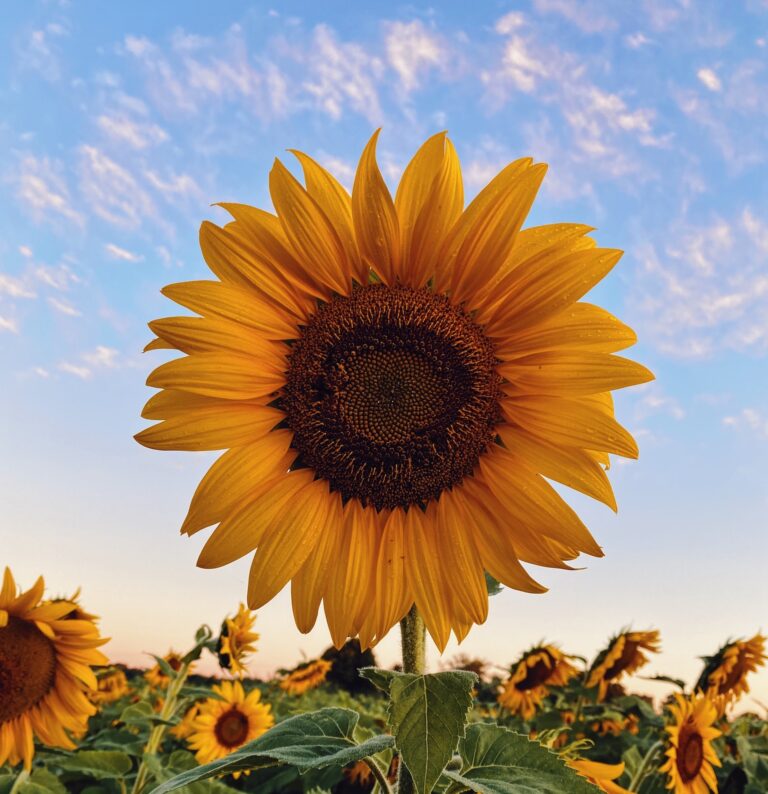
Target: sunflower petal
[376, 225]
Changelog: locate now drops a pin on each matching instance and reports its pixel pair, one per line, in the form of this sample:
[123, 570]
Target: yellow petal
[227, 425]
[234, 475]
[309, 231]
[326, 190]
[243, 529]
[232, 258]
[169, 403]
[231, 376]
[568, 465]
[212, 298]
[570, 422]
[582, 326]
[429, 199]
[373, 211]
[158, 344]
[573, 373]
[288, 542]
[426, 576]
[211, 334]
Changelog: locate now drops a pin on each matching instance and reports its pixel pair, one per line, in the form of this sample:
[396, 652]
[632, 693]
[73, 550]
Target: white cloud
[64, 307]
[41, 372]
[412, 51]
[584, 15]
[39, 54]
[509, 22]
[75, 369]
[43, 191]
[102, 356]
[122, 253]
[111, 190]
[136, 134]
[8, 324]
[654, 401]
[174, 185]
[14, 287]
[25, 251]
[60, 277]
[709, 79]
[341, 73]
[749, 419]
[636, 41]
[706, 289]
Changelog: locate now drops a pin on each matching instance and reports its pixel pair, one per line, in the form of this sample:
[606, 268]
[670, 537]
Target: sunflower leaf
[428, 714]
[499, 761]
[306, 741]
[379, 677]
[494, 586]
[100, 764]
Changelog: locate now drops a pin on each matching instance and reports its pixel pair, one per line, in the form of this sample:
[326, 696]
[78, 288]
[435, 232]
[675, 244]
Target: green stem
[20, 781]
[413, 635]
[378, 775]
[157, 733]
[642, 770]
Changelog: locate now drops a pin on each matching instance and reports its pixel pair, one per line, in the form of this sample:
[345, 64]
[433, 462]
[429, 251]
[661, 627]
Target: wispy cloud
[112, 192]
[102, 357]
[585, 15]
[116, 252]
[137, 134]
[14, 287]
[39, 51]
[25, 251]
[412, 51]
[64, 307]
[709, 79]
[42, 190]
[749, 419]
[79, 371]
[8, 324]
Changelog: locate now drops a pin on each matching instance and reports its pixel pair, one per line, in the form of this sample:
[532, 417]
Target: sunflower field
[550, 721]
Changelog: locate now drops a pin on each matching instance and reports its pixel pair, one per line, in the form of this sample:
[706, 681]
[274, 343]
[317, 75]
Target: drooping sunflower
[532, 676]
[45, 671]
[307, 676]
[155, 676]
[602, 775]
[394, 381]
[623, 656]
[725, 674]
[236, 641]
[112, 684]
[223, 724]
[690, 755]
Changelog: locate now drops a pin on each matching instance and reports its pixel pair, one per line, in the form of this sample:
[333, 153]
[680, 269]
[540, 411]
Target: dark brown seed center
[625, 660]
[690, 754]
[27, 667]
[537, 675]
[392, 395]
[232, 728]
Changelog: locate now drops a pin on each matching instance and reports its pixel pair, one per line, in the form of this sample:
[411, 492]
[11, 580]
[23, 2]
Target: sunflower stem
[20, 781]
[642, 770]
[379, 776]
[413, 636]
[157, 733]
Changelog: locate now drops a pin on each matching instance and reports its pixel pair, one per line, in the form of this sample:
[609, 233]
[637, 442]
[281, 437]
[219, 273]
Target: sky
[122, 124]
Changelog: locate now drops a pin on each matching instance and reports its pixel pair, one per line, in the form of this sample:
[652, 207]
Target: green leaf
[164, 666]
[379, 677]
[41, 781]
[100, 764]
[494, 586]
[141, 714]
[678, 682]
[499, 761]
[307, 741]
[427, 714]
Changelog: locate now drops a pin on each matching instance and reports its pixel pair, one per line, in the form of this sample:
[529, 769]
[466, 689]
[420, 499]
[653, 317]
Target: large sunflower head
[394, 381]
[725, 674]
[227, 722]
[236, 641]
[45, 671]
[690, 755]
[531, 678]
[623, 656]
[112, 684]
[305, 677]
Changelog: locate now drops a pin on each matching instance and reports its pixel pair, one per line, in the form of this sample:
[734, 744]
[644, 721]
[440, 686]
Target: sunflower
[111, 686]
[690, 755]
[532, 676]
[623, 656]
[155, 675]
[228, 722]
[394, 382]
[45, 670]
[236, 641]
[602, 775]
[725, 674]
[305, 677]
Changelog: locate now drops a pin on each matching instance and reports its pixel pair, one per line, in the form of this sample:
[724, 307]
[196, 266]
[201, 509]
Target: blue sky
[122, 123]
